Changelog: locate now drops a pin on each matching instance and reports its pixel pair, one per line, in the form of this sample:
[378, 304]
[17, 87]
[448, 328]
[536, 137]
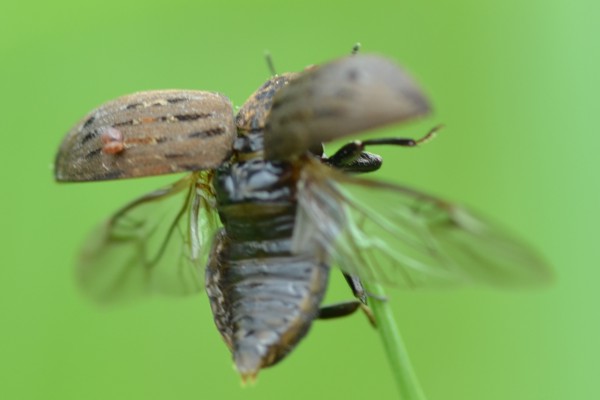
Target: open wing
[337, 99]
[392, 234]
[155, 244]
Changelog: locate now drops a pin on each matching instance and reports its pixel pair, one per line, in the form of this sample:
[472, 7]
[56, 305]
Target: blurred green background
[515, 82]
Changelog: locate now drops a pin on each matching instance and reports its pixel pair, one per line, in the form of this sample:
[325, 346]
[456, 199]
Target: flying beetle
[266, 213]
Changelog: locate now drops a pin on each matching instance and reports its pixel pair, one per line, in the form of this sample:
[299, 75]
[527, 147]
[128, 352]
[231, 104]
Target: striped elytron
[286, 212]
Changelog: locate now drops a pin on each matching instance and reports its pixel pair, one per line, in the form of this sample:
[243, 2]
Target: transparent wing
[391, 234]
[155, 244]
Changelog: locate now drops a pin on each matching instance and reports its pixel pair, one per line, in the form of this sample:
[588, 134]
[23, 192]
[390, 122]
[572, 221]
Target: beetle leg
[357, 288]
[361, 294]
[349, 307]
[339, 309]
[353, 158]
[345, 308]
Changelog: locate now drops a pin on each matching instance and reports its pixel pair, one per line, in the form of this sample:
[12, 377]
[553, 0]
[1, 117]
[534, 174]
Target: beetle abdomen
[263, 296]
[264, 305]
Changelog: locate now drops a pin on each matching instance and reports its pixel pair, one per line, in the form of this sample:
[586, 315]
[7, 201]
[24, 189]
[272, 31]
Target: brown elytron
[162, 132]
[287, 212]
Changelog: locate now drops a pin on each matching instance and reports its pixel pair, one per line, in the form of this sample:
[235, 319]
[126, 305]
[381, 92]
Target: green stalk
[406, 379]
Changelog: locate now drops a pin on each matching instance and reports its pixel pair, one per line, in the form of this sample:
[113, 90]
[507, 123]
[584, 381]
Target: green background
[516, 83]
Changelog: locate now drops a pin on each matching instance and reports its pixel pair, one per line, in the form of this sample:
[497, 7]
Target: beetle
[278, 211]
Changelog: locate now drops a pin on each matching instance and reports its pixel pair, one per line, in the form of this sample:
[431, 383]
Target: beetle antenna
[431, 134]
[270, 65]
[355, 48]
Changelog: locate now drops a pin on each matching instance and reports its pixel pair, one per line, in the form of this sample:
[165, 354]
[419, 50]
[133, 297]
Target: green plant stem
[406, 379]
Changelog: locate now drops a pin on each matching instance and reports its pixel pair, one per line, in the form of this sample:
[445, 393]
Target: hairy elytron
[286, 212]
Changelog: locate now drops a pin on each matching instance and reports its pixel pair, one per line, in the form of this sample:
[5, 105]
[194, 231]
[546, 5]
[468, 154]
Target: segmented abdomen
[263, 297]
